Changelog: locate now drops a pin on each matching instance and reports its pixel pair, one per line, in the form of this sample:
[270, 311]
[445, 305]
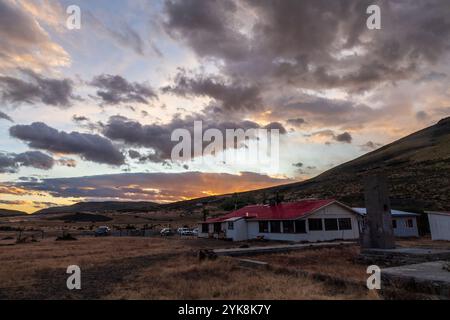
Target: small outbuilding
[439, 225]
[404, 223]
[306, 220]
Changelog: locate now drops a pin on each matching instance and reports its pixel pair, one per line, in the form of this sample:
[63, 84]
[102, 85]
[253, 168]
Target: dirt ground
[150, 268]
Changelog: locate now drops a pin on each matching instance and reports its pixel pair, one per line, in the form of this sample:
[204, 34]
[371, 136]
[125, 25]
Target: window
[331, 224]
[300, 226]
[409, 223]
[275, 227]
[217, 227]
[264, 227]
[345, 224]
[205, 228]
[288, 226]
[230, 225]
[315, 224]
[394, 224]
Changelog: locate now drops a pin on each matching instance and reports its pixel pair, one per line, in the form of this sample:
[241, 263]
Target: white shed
[404, 223]
[439, 225]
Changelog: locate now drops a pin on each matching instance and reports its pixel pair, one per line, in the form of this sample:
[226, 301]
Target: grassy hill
[11, 213]
[107, 206]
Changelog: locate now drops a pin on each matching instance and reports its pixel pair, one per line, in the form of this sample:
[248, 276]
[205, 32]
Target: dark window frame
[230, 225]
[345, 223]
[331, 224]
[394, 224]
[409, 223]
[287, 229]
[205, 227]
[263, 226]
[302, 223]
[217, 227]
[275, 222]
[315, 227]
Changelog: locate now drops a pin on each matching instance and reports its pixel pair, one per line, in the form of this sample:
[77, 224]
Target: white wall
[439, 226]
[402, 229]
[239, 231]
[331, 211]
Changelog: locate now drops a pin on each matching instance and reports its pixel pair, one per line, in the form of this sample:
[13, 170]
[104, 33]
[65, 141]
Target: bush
[66, 237]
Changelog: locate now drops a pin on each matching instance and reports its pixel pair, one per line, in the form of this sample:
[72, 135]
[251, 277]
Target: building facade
[439, 225]
[404, 223]
[306, 220]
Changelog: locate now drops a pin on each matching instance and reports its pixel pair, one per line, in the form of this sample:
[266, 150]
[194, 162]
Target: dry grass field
[160, 268]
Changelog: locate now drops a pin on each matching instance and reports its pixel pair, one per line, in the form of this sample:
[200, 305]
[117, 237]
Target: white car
[185, 232]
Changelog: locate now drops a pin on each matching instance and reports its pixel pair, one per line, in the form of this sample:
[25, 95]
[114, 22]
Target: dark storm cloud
[344, 137]
[158, 136]
[36, 89]
[322, 111]
[35, 159]
[313, 44]
[79, 118]
[233, 96]
[89, 146]
[151, 186]
[11, 162]
[370, 145]
[297, 122]
[5, 116]
[114, 89]
[206, 26]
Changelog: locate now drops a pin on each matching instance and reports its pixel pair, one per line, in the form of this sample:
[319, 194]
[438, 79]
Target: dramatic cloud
[233, 96]
[88, 146]
[151, 186]
[344, 137]
[370, 145]
[5, 116]
[79, 118]
[158, 136]
[297, 122]
[24, 43]
[116, 89]
[36, 89]
[11, 162]
[313, 44]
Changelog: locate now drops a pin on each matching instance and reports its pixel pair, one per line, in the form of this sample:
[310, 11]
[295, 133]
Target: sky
[87, 114]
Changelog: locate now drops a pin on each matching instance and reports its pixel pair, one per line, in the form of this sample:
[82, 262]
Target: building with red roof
[306, 220]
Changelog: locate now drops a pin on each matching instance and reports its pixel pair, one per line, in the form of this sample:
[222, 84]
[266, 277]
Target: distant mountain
[107, 206]
[11, 213]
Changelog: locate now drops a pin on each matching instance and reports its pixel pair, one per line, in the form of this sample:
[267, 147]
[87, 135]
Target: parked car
[195, 232]
[166, 232]
[183, 231]
[102, 231]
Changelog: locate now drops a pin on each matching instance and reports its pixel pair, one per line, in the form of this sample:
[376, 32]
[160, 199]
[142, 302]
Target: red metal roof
[282, 211]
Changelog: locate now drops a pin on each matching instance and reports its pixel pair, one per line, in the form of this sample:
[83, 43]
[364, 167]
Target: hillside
[107, 206]
[11, 213]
